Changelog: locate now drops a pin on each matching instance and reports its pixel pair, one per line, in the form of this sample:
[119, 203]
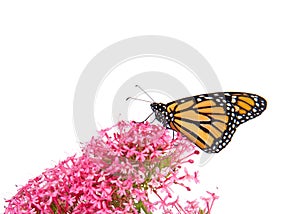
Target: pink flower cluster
[129, 168]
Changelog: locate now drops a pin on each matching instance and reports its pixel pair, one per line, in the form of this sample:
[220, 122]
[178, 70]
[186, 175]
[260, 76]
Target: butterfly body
[209, 120]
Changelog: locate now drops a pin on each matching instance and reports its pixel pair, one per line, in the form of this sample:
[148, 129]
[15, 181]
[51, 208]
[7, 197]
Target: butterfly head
[160, 111]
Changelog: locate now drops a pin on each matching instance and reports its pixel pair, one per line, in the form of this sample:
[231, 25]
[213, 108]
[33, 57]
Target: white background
[252, 46]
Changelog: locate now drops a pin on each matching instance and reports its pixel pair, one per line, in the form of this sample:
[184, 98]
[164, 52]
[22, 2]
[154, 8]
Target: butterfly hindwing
[210, 120]
[247, 106]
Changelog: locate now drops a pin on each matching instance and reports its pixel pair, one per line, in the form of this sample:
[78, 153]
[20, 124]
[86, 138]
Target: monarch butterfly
[209, 120]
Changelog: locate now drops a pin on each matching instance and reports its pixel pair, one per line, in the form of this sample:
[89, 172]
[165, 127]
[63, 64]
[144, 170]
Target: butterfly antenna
[144, 92]
[132, 98]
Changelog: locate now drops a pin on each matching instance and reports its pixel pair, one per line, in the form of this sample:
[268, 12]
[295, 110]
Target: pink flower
[209, 201]
[116, 173]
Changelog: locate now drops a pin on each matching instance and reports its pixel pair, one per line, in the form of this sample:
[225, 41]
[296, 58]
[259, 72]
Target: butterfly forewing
[210, 120]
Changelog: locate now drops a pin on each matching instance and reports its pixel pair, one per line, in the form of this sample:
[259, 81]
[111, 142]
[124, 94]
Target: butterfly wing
[210, 120]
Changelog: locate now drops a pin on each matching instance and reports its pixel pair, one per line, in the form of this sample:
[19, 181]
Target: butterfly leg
[173, 134]
[175, 144]
[147, 119]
